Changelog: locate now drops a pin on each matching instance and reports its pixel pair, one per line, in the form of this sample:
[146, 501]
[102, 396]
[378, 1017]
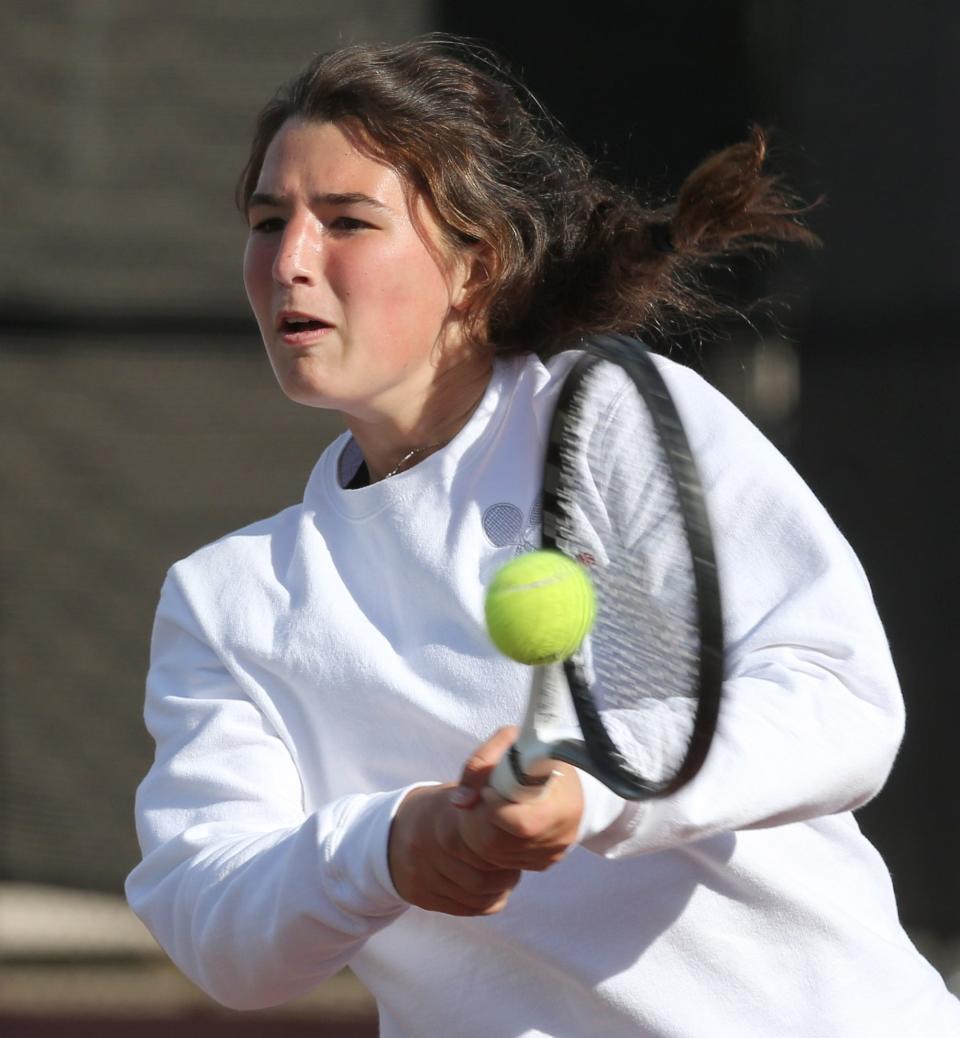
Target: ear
[474, 263]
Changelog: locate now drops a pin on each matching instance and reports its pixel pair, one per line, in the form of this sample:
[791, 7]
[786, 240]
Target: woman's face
[349, 283]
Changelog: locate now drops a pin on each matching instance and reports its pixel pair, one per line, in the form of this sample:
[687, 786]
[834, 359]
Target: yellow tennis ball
[539, 607]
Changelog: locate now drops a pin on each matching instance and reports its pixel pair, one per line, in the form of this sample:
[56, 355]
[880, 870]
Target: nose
[298, 255]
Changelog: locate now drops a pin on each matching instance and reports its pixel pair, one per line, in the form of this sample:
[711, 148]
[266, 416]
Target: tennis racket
[621, 493]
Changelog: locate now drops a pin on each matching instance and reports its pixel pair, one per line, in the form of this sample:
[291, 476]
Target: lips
[297, 328]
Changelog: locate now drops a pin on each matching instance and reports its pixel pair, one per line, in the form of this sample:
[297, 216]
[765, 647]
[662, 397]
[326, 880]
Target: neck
[392, 442]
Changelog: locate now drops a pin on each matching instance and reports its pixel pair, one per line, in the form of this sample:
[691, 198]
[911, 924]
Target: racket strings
[616, 491]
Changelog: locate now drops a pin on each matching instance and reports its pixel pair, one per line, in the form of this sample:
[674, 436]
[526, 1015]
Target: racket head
[621, 493]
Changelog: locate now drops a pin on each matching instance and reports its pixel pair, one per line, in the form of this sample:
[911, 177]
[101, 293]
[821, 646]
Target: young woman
[423, 251]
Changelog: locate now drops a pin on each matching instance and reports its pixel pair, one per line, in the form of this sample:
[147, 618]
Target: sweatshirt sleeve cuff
[359, 859]
[601, 810]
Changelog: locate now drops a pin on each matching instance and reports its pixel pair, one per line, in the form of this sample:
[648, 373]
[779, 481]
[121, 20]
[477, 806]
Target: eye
[347, 224]
[267, 225]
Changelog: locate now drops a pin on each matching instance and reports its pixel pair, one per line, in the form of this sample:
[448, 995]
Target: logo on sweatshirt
[504, 525]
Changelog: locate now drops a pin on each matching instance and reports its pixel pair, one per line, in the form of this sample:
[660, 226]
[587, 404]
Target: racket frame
[525, 770]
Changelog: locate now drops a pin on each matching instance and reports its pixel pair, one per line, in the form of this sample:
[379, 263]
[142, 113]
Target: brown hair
[568, 253]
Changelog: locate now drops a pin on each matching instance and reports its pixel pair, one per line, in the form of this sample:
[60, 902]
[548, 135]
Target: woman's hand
[461, 849]
[531, 836]
[431, 865]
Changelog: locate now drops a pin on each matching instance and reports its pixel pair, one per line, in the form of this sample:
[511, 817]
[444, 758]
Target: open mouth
[291, 325]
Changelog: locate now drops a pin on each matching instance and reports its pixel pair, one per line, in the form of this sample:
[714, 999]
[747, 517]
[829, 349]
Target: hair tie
[661, 238]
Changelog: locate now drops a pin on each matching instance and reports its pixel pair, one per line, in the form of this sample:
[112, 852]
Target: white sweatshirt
[309, 669]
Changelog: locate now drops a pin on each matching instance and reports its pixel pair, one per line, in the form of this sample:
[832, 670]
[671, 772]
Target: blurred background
[140, 421]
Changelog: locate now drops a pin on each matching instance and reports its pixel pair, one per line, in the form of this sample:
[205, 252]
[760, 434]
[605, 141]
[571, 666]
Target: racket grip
[525, 769]
[512, 781]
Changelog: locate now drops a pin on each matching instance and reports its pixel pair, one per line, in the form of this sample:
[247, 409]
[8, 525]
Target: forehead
[311, 155]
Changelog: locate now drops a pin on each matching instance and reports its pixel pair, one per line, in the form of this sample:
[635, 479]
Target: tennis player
[324, 699]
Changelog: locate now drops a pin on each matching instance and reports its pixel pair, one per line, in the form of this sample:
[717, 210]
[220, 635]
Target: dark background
[139, 419]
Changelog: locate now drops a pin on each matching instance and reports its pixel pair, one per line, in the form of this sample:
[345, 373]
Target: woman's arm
[254, 899]
[812, 714]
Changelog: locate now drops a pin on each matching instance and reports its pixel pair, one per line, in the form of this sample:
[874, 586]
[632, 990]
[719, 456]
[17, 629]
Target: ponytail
[638, 269]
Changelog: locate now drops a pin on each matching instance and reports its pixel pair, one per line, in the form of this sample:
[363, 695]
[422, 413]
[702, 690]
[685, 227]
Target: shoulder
[260, 552]
[722, 437]
[742, 472]
[246, 544]
[248, 561]
[713, 424]
[694, 396]
[756, 497]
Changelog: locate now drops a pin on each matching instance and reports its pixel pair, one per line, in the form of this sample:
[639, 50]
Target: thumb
[479, 767]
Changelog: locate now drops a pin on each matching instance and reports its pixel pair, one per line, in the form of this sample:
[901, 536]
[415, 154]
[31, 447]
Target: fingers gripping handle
[525, 770]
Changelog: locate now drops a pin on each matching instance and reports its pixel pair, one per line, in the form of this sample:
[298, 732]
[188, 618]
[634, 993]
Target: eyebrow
[331, 198]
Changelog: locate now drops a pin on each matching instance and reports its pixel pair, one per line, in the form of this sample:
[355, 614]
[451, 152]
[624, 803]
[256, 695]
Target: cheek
[258, 274]
[411, 295]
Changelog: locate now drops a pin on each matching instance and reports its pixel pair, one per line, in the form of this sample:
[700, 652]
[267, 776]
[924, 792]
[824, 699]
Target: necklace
[413, 454]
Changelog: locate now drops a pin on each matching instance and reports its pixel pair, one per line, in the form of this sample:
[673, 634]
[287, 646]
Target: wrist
[601, 808]
[402, 836]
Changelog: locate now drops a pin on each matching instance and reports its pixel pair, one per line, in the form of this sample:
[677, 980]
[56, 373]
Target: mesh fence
[116, 458]
[123, 126]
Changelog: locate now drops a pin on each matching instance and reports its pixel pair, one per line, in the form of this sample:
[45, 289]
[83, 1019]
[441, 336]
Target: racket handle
[525, 769]
[510, 781]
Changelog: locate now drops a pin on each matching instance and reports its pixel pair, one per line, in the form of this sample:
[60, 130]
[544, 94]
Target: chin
[301, 396]
[304, 384]
[307, 392]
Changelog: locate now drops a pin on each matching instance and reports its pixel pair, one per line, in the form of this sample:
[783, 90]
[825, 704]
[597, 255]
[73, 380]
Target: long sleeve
[811, 716]
[254, 899]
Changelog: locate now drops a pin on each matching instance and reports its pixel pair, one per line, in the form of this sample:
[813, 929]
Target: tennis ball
[539, 607]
